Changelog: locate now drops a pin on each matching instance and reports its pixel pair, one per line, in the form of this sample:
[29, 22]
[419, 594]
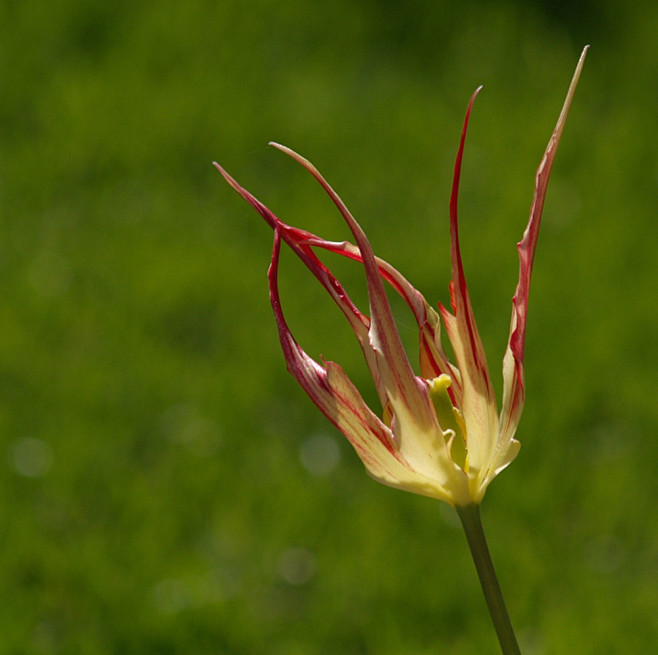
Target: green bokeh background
[165, 485]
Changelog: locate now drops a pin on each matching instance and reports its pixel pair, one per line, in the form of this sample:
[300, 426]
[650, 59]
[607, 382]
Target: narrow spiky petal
[513, 361]
[478, 399]
[407, 394]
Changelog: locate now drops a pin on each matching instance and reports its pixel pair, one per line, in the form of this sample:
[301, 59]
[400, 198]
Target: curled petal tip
[282, 148]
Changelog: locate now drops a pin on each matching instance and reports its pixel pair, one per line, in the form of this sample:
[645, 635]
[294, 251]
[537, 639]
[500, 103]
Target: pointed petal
[404, 390]
[513, 368]
[478, 400]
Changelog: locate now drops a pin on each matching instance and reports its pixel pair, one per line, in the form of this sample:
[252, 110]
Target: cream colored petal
[379, 451]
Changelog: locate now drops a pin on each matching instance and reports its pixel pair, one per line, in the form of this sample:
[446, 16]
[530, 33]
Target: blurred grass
[167, 488]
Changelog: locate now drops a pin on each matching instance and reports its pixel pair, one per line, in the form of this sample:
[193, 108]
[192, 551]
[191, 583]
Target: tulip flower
[439, 432]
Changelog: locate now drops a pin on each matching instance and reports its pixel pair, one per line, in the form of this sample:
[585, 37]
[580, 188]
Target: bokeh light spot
[319, 454]
[31, 457]
[297, 566]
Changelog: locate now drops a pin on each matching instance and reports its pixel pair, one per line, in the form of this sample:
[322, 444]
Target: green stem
[470, 518]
